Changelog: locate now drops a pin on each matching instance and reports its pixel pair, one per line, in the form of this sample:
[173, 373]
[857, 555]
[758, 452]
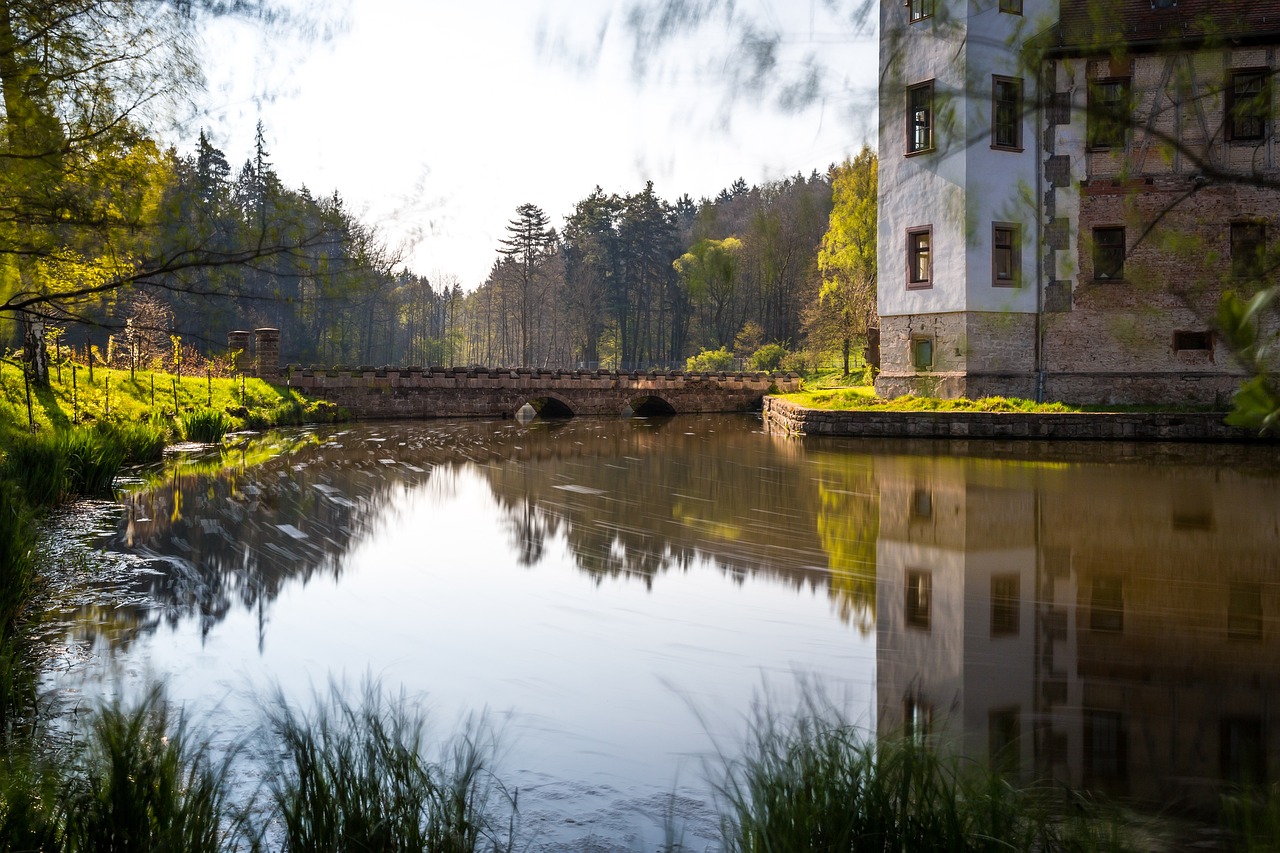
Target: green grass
[863, 398]
[138, 779]
[362, 774]
[116, 397]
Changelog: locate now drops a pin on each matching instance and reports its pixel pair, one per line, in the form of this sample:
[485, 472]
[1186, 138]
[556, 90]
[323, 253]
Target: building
[1067, 188]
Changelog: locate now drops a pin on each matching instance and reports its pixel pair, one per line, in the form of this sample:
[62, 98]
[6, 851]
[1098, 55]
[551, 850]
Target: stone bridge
[461, 392]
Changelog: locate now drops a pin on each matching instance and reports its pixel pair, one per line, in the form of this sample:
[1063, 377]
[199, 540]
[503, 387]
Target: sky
[435, 119]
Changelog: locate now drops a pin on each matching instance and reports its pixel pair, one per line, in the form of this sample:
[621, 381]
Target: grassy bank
[863, 398]
[78, 396]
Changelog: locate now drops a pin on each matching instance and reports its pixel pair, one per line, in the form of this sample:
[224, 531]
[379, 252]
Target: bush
[710, 361]
[769, 357]
[818, 784]
[796, 362]
[144, 783]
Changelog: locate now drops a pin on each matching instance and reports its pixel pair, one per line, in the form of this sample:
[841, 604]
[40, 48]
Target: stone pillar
[238, 349]
[266, 352]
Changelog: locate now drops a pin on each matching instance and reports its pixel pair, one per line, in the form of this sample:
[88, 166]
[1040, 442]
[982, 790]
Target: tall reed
[816, 784]
[204, 425]
[355, 776]
[144, 782]
[137, 781]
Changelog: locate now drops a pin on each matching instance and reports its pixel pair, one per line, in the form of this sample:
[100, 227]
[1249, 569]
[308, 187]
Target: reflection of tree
[848, 526]
[234, 529]
[635, 502]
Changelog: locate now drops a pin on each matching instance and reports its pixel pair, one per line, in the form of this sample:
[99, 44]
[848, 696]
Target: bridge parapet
[424, 392]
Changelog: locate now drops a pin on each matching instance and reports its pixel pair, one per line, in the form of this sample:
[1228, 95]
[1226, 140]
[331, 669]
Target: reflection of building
[1112, 628]
[1066, 188]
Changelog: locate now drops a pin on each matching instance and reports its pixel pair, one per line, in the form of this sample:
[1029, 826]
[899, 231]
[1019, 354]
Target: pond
[619, 597]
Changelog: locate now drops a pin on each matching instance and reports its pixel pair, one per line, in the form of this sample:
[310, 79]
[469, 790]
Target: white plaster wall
[924, 189]
[964, 186]
[1001, 185]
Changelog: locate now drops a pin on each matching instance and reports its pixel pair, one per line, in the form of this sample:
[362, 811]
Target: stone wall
[789, 418]
[975, 354]
[478, 392]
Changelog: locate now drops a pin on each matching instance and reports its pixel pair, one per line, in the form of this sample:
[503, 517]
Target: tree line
[633, 281]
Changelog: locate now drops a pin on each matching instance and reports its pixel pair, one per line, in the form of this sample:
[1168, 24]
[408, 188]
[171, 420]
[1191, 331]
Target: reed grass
[1253, 818]
[206, 426]
[354, 776]
[817, 784]
[139, 780]
[143, 781]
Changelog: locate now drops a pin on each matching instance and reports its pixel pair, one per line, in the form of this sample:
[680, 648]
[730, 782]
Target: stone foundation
[790, 419]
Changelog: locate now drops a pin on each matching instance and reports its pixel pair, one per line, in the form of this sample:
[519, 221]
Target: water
[618, 596]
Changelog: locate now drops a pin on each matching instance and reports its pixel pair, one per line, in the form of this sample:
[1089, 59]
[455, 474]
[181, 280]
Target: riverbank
[791, 418]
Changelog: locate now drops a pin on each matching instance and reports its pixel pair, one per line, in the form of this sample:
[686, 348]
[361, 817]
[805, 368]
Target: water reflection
[1101, 615]
[1110, 626]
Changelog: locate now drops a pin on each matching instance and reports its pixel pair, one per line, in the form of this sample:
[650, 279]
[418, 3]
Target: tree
[847, 259]
[530, 242]
[709, 270]
[84, 83]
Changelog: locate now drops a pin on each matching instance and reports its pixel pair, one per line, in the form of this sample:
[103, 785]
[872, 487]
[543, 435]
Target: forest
[625, 282]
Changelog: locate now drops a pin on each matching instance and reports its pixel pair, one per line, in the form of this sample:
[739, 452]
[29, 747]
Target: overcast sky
[436, 118]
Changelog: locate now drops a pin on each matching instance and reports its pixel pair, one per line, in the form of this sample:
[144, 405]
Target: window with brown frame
[1242, 750]
[1244, 612]
[1110, 112]
[919, 599]
[1248, 104]
[919, 258]
[920, 118]
[921, 502]
[1192, 341]
[1006, 254]
[1108, 254]
[1006, 113]
[1106, 604]
[922, 353]
[1248, 249]
[1004, 728]
[1013, 7]
[1006, 605]
[1106, 746]
[918, 10]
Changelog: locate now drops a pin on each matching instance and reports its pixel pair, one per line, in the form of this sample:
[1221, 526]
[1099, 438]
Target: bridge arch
[650, 406]
[547, 407]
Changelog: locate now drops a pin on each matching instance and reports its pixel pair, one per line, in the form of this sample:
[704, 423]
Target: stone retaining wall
[786, 417]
